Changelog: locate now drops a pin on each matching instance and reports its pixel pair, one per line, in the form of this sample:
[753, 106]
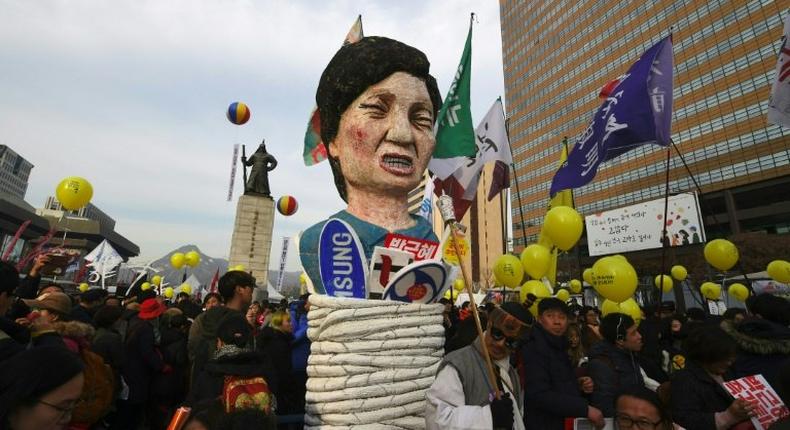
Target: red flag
[214, 281]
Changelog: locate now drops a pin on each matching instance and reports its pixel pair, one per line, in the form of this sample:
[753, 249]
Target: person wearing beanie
[552, 391]
[378, 104]
[462, 396]
[47, 394]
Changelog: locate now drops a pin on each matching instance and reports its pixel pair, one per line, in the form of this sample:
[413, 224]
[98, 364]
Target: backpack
[97, 392]
[247, 392]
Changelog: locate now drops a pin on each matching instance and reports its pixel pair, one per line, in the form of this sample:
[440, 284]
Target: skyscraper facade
[14, 172]
[558, 55]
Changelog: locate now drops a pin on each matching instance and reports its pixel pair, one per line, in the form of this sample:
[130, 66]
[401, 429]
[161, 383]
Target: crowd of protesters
[97, 361]
[93, 360]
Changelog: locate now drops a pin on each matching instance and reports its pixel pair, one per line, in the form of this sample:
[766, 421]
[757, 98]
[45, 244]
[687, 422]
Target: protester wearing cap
[552, 391]
[143, 362]
[461, 396]
[89, 301]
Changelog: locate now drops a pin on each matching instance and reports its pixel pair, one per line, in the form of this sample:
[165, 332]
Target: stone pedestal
[251, 243]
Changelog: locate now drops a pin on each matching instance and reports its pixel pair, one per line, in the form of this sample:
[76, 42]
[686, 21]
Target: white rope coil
[371, 362]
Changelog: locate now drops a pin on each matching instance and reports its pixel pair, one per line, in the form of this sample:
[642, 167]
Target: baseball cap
[58, 302]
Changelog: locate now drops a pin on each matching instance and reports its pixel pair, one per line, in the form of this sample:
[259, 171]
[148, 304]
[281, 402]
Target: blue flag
[637, 111]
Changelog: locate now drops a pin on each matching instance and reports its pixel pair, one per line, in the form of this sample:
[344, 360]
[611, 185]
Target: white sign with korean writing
[639, 226]
[756, 390]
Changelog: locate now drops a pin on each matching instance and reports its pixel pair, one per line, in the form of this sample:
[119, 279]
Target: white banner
[233, 170]
[779, 102]
[639, 226]
[283, 257]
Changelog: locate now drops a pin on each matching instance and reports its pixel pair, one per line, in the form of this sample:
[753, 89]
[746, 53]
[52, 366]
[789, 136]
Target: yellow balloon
[666, 286]
[84, 287]
[779, 270]
[710, 290]
[156, 280]
[679, 272]
[177, 260]
[620, 257]
[587, 275]
[186, 288]
[628, 307]
[447, 295]
[739, 292]
[614, 279]
[459, 285]
[576, 286]
[508, 271]
[721, 254]
[564, 226]
[302, 278]
[535, 259]
[169, 292]
[146, 286]
[74, 192]
[237, 268]
[538, 289]
[563, 295]
[192, 258]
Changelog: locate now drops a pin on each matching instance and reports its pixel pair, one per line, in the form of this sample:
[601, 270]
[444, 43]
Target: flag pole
[664, 237]
[518, 191]
[445, 204]
[578, 248]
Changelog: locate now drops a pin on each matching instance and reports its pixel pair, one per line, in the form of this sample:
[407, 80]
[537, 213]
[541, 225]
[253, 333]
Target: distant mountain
[204, 272]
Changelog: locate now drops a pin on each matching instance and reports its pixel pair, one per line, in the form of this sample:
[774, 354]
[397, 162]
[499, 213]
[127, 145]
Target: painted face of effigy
[385, 137]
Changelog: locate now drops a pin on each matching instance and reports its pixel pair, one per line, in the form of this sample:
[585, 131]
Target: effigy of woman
[372, 360]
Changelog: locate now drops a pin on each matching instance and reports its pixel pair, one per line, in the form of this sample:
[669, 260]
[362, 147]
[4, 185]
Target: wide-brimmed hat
[150, 309]
[58, 302]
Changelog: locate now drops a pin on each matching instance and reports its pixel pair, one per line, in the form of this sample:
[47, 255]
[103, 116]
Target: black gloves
[502, 412]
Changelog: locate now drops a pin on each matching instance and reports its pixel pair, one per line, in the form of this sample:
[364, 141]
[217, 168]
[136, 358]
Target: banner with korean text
[639, 226]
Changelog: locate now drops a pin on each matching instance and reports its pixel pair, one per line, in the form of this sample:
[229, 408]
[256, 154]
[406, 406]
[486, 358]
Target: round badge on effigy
[420, 282]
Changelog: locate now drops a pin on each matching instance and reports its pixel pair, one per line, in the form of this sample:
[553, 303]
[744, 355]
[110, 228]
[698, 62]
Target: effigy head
[378, 104]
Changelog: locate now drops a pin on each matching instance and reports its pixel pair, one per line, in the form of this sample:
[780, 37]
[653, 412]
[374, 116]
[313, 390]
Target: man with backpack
[613, 364]
[236, 289]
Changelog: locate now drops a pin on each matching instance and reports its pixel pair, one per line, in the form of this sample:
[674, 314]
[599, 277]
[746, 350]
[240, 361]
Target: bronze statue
[262, 163]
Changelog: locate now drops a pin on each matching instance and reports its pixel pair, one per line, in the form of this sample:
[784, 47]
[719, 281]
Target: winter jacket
[203, 337]
[143, 360]
[231, 361]
[276, 345]
[81, 314]
[696, 397]
[108, 344]
[301, 344]
[13, 338]
[169, 389]
[551, 389]
[763, 348]
[612, 370]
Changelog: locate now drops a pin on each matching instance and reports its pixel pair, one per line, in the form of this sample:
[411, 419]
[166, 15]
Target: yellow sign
[448, 250]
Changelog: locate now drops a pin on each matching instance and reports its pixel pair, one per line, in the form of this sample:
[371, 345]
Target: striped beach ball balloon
[287, 205]
[238, 113]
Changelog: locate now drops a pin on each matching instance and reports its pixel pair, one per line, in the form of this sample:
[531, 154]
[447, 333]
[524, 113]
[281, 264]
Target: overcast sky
[132, 96]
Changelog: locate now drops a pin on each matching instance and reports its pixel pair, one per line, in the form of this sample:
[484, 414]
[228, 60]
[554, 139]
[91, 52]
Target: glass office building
[558, 54]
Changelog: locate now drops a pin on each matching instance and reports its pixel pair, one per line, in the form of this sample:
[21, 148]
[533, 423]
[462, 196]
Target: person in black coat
[698, 398]
[275, 341]
[143, 362]
[552, 391]
[232, 358]
[169, 389]
[613, 366]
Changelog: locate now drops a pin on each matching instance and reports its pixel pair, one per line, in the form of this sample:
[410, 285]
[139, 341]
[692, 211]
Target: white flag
[103, 258]
[492, 145]
[426, 207]
[779, 103]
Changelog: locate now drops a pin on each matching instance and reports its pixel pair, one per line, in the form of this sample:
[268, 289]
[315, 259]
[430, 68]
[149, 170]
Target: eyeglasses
[498, 336]
[65, 412]
[626, 422]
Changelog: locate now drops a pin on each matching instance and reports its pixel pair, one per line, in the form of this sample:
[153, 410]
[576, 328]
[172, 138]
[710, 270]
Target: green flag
[455, 136]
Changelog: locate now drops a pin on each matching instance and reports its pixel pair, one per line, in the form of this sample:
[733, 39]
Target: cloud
[132, 94]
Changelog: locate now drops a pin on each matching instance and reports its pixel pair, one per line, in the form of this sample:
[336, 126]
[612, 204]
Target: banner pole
[664, 237]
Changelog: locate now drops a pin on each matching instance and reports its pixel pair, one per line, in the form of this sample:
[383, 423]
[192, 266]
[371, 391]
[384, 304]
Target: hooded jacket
[763, 347]
[612, 370]
[551, 391]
